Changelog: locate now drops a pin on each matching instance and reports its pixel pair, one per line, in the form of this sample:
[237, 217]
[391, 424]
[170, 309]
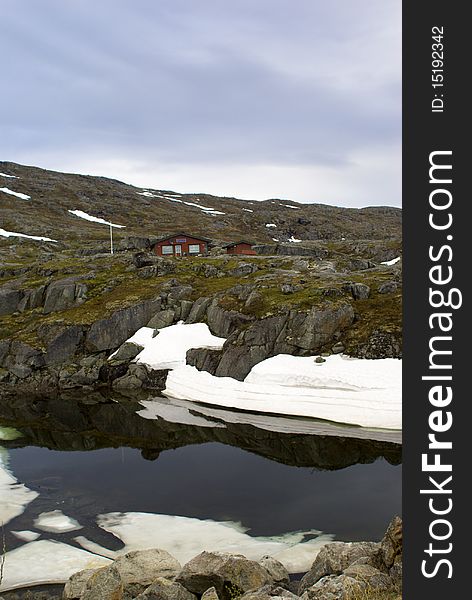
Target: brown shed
[181, 244]
[240, 247]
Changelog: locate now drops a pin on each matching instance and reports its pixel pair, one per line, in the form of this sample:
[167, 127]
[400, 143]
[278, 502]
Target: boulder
[229, 574]
[360, 264]
[64, 294]
[22, 359]
[334, 558]
[243, 269]
[372, 577]
[140, 568]
[32, 298]
[391, 546]
[75, 586]
[210, 594]
[204, 359]
[270, 592]
[276, 569]
[104, 584]
[178, 293]
[198, 310]
[125, 353]
[335, 587]
[9, 300]
[389, 287]
[163, 318]
[62, 343]
[163, 589]
[359, 291]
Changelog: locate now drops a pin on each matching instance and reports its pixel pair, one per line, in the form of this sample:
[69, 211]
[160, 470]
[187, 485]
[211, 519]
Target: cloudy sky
[297, 99]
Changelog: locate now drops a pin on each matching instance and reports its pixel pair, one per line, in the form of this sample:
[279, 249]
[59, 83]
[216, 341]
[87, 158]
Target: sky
[295, 99]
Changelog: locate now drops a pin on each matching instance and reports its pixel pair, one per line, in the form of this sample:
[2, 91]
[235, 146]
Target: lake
[184, 477]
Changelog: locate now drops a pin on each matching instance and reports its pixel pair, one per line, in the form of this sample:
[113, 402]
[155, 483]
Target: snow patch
[83, 215]
[17, 194]
[5, 233]
[46, 562]
[185, 537]
[169, 348]
[271, 225]
[10, 176]
[248, 210]
[294, 240]
[359, 392]
[26, 535]
[389, 263]
[14, 496]
[56, 521]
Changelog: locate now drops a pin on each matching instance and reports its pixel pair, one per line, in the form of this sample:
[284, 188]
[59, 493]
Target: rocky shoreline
[341, 571]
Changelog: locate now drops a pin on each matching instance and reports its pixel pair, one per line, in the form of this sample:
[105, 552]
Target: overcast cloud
[296, 99]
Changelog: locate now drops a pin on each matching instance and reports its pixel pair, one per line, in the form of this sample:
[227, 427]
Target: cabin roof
[181, 234]
[237, 243]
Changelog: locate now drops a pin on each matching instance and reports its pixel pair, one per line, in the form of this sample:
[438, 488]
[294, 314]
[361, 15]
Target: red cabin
[240, 248]
[181, 244]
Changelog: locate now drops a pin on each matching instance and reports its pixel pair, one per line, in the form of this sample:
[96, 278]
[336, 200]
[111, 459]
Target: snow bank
[389, 263]
[17, 194]
[84, 215]
[169, 348]
[359, 392]
[10, 176]
[5, 233]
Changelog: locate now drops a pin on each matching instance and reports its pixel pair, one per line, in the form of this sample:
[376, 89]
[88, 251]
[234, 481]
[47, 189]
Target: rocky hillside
[66, 305]
[49, 196]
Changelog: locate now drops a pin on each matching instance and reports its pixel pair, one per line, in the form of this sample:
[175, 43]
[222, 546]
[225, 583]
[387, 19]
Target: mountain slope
[153, 213]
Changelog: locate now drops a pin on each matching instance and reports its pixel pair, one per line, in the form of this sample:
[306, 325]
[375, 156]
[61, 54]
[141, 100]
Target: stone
[163, 318]
[210, 594]
[229, 574]
[204, 359]
[389, 287]
[179, 292]
[23, 359]
[338, 348]
[75, 586]
[391, 546]
[126, 352]
[32, 298]
[140, 568]
[185, 308]
[243, 269]
[63, 343]
[103, 584]
[64, 294]
[269, 592]
[334, 558]
[163, 589]
[372, 577]
[198, 310]
[9, 300]
[320, 360]
[288, 288]
[359, 291]
[335, 587]
[276, 569]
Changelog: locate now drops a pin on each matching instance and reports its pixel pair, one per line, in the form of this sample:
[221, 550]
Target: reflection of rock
[67, 423]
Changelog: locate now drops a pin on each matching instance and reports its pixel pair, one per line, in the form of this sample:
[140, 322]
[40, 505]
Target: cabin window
[167, 249]
[194, 248]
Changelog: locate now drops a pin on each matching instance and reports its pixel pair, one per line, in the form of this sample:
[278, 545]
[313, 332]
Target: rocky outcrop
[297, 333]
[343, 569]
[290, 250]
[111, 332]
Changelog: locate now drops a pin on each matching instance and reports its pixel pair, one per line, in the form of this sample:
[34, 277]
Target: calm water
[88, 457]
